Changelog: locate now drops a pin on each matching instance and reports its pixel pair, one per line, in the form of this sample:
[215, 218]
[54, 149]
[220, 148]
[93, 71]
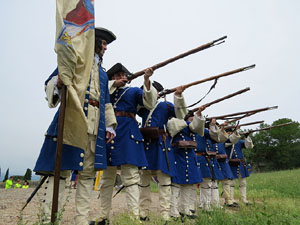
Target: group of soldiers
[180, 148]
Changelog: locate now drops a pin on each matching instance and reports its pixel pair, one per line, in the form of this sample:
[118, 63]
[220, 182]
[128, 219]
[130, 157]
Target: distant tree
[6, 175]
[277, 148]
[27, 175]
[16, 177]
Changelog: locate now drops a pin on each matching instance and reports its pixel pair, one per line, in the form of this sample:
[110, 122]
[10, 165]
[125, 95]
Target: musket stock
[166, 62]
[169, 91]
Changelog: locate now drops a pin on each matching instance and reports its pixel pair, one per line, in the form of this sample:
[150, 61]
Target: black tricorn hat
[189, 114]
[105, 34]
[229, 130]
[118, 67]
[157, 86]
[207, 123]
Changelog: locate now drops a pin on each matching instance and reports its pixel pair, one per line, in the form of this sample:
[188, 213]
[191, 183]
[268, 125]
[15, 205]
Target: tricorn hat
[105, 34]
[157, 86]
[118, 67]
[189, 114]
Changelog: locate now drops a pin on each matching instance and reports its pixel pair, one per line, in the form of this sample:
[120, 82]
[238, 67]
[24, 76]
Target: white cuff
[111, 130]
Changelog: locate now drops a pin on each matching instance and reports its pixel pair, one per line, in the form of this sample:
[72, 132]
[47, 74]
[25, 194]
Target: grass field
[275, 197]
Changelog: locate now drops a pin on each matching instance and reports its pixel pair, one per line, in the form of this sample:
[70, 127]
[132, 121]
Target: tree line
[277, 148]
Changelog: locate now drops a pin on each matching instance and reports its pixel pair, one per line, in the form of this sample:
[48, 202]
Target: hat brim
[105, 34]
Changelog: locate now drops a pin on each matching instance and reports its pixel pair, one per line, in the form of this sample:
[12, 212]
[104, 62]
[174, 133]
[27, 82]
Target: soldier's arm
[214, 130]
[52, 89]
[179, 103]
[248, 142]
[197, 125]
[150, 94]
[223, 136]
[234, 137]
[175, 126]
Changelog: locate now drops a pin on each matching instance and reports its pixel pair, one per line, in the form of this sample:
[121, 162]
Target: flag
[75, 39]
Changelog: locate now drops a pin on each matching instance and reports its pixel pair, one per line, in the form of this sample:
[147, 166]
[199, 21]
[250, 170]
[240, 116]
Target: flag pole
[61, 120]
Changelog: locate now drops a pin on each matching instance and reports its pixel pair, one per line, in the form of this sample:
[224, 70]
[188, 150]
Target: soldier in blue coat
[127, 149]
[188, 173]
[238, 164]
[159, 154]
[101, 125]
[207, 147]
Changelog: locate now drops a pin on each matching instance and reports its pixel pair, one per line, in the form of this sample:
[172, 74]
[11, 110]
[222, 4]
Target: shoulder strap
[230, 157]
[115, 104]
[150, 114]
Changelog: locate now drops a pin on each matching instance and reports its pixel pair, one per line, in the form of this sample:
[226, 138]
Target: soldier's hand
[59, 82]
[120, 82]
[223, 125]
[200, 110]
[109, 136]
[148, 73]
[179, 90]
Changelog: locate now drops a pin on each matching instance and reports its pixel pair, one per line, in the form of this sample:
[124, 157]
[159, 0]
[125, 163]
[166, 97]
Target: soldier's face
[104, 47]
[191, 119]
[119, 76]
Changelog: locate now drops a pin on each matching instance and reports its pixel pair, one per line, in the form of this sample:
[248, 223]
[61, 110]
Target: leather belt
[94, 103]
[125, 114]
[210, 154]
[200, 153]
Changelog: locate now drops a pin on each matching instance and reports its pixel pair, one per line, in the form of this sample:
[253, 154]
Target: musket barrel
[268, 128]
[169, 91]
[223, 98]
[245, 112]
[195, 50]
[245, 124]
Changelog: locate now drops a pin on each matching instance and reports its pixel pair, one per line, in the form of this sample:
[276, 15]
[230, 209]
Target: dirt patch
[11, 201]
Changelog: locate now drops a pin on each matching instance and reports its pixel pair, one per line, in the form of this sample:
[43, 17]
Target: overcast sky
[261, 32]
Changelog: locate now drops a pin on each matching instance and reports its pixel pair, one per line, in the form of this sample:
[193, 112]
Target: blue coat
[242, 169]
[127, 147]
[209, 166]
[72, 157]
[187, 169]
[226, 170]
[154, 149]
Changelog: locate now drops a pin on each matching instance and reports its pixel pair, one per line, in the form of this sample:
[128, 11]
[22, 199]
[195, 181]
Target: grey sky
[261, 32]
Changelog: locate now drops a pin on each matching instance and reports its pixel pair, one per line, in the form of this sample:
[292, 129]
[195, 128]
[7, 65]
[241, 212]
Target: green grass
[275, 197]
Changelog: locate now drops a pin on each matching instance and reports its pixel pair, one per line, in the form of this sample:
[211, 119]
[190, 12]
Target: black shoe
[191, 217]
[233, 205]
[236, 204]
[146, 218]
[102, 222]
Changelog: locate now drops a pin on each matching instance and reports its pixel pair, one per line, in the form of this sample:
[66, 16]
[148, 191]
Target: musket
[165, 145]
[245, 124]
[120, 189]
[166, 62]
[239, 118]
[168, 91]
[34, 192]
[223, 98]
[226, 117]
[270, 127]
